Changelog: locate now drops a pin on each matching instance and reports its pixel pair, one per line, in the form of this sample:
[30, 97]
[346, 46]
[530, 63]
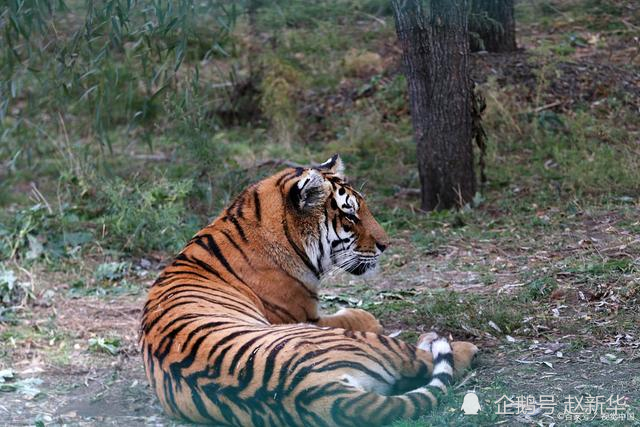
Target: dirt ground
[84, 387]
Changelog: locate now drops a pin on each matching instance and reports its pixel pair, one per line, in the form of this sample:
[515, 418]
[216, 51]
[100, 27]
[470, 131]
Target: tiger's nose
[381, 246]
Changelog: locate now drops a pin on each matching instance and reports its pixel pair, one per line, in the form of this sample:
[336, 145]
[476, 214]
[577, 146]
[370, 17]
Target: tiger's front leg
[352, 319]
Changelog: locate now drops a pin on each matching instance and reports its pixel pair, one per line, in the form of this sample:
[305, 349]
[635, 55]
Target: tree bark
[494, 25]
[435, 50]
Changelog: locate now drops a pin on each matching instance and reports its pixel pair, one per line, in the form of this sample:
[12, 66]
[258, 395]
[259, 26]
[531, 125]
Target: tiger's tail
[362, 407]
[442, 375]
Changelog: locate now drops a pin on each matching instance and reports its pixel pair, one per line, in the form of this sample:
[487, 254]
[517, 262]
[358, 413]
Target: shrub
[147, 216]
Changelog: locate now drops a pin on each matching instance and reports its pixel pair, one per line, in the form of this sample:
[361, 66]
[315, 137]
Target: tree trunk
[493, 26]
[435, 47]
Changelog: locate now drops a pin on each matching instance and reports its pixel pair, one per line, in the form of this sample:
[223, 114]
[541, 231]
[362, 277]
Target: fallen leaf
[6, 373]
[494, 326]
[611, 359]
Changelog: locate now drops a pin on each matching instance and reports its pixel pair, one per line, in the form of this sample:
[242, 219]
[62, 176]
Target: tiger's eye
[347, 228]
[341, 191]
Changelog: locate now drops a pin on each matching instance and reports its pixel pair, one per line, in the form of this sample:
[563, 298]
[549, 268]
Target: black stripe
[242, 306]
[240, 204]
[205, 289]
[303, 256]
[238, 228]
[151, 367]
[236, 205]
[256, 202]
[293, 331]
[243, 349]
[235, 245]
[205, 326]
[419, 402]
[165, 345]
[276, 309]
[310, 293]
[444, 357]
[206, 267]
[149, 325]
[214, 249]
[200, 243]
[335, 243]
[170, 397]
[169, 277]
[184, 260]
[172, 322]
[289, 177]
[285, 175]
[320, 247]
[446, 379]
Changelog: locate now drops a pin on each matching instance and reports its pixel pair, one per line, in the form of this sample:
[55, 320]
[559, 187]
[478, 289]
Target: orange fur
[231, 332]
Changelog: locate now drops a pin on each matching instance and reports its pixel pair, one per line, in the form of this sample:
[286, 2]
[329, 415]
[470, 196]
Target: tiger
[231, 333]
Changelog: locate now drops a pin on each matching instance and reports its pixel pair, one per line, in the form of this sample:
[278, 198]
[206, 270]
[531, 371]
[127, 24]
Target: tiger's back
[231, 332]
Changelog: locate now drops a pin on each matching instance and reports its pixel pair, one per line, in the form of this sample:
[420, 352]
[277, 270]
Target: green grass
[78, 215]
[557, 159]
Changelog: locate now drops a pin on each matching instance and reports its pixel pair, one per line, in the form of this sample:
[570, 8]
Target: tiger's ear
[309, 192]
[333, 165]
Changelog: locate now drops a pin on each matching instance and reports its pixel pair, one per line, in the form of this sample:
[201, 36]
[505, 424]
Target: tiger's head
[330, 220]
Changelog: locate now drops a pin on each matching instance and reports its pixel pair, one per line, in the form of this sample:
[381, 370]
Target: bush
[148, 216]
[39, 232]
[109, 60]
[281, 83]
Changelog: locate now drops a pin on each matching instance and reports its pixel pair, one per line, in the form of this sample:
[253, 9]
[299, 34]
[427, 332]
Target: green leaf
[7, 278]
[6, 373]
[111, 270]
[78, 238]
[105, 345]
[35, 247]
[27, 386]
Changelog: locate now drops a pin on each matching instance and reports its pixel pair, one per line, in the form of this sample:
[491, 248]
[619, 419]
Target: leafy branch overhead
[111, 53]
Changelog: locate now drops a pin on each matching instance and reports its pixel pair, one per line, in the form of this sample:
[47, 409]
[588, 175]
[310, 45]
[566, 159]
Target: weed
[111, 271]
[281, 82]
[26, 386]
[40, 232]
[539, 288]
[357, 64]
[611, 266]
[90, 66]
[300, 14]
[147, 216]
[109, 345]
[80, 289]
[12, 291]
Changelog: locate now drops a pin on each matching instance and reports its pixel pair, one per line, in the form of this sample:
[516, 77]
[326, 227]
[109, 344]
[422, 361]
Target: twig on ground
[546, 107]
[160, 157]
[375, 18]
[404, 192]
[466, 380]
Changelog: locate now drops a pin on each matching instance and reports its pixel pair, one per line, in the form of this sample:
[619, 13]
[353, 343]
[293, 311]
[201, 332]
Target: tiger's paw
[353, 319]
[463, 352]
[425, 341]
[463, 355]
[360, 320]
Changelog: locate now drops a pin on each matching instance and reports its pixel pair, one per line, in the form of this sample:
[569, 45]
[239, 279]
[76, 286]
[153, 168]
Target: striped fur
[231, 333]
